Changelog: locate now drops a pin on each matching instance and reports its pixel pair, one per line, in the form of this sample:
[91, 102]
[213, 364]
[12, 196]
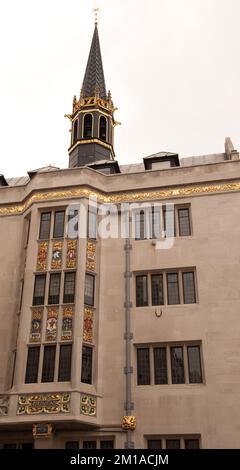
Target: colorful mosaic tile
[42, 256]
[51, 325]
[71, 261]
[56, 261]
[36, 325]
[45, 403]
[88, 325]
[67, 324]
[88, 405]
[91, 256]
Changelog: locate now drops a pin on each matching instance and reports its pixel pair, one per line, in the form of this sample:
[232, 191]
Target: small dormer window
[103, 128]
[87, 130]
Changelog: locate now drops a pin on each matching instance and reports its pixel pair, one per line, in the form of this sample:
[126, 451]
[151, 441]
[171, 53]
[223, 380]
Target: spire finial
[96, 11]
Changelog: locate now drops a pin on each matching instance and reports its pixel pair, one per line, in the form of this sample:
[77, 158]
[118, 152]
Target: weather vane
[96, 11]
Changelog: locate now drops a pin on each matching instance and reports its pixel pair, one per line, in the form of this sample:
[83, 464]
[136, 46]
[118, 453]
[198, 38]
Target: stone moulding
[127, 196]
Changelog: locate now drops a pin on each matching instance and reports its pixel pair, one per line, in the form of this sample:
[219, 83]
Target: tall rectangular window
[54, 288]
[92, 222]
[154, 444]
[160, 366]
[177, 365]
[45, 224]
[143, 366]
[141, 291]
[189, 288]
[156, 222]
[32, 365]
[72, 445]
[65, 359]
[48, 364]
[89, 445]
[173, 444]
[157, 289]
[39, 289]
[106, 444]
[69, 288]
[140, 225]
[194, 364]
[86, 376]
[173, 289]
[191, 443]
[58, 231]
[184, 222]
[89, 289]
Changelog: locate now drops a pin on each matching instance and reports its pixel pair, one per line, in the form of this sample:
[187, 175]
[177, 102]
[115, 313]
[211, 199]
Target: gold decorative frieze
[51, 325]
[42, 256]
[71, 260]
[91, 256]
[36, 325]
[56, 260]
[45, 403]
[88, 325]
[42, 430]
[126, 196]
[129, 422]
[88, 405]
[4, 404]
[67, 324]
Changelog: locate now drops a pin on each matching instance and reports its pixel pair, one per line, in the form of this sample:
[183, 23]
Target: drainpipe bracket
[128, 370]
[128, 336]
[129, 405]
[128, 304]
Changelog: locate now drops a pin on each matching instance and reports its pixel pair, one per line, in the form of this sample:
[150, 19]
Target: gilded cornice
[120, 197]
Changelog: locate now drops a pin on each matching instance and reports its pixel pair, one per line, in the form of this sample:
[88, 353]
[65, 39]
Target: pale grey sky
[173, 67]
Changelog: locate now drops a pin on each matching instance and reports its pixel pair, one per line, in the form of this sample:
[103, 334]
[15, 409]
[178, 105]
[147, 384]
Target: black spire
[94, 82]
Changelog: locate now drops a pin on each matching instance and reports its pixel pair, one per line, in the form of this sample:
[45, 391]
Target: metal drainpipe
[129, 405]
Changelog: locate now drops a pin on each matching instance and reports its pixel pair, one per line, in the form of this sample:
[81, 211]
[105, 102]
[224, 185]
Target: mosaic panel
[45, 403]
[88, 325]
[88, 405]
[71, 260]
[56, 260]
[36, 325]
[91, 256]
[67, 324]
[51, 325]
[42, 256]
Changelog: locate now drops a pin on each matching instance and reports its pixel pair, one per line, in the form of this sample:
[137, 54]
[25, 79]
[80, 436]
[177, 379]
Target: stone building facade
[117, 338]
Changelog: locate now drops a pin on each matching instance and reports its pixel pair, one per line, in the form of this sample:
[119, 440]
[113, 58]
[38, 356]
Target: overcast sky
[173, 67]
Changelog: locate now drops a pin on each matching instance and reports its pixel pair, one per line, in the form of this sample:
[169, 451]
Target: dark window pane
[177, 365]
[160, 366]
[48, 364]
[189, 288]
[86, 376]
[89, 445]
[156, 222]
[9, 446]
[71, 445]
[141, 291]
[194, 364]
[191, 443]
[154, 444]
[89, 289]
[32, 365]
[65, 359]
[140, 225]
[45, 223]
[106, 445]
[173, 444]
[27, 445]
[87, 131]
[39, 289]
[184, 222]
[72, 226]
[173, 290]
[59, 224]
[103, 128]
[54, 289]
[75, 131]
[143, 366]
[69, 288]
[157, 289]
